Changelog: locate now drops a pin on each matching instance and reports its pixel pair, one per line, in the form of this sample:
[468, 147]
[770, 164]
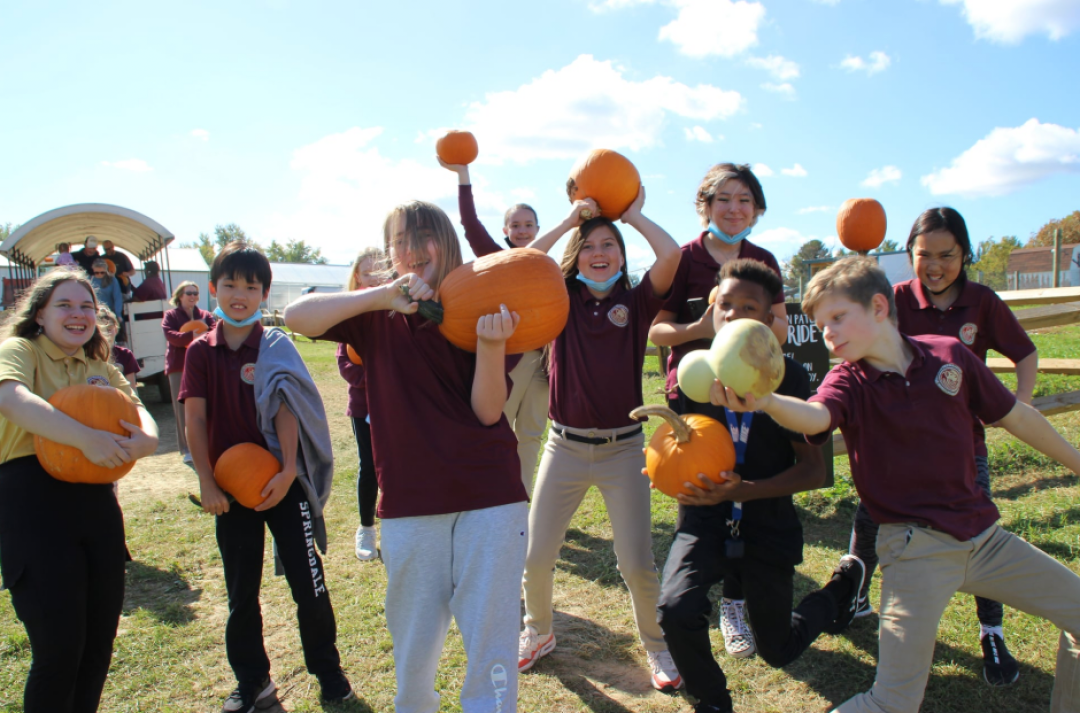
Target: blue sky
[310, 120]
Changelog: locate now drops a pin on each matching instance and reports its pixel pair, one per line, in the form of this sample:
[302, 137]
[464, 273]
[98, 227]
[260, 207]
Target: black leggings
[62, 557]
[367, 484]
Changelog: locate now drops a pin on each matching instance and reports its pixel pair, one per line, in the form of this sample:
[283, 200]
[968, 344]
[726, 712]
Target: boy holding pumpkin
[244, 385]
[747, 527]
[905, 406]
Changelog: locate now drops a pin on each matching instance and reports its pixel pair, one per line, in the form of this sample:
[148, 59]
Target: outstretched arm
[793, 414]
[1032, 428]
[314, 314]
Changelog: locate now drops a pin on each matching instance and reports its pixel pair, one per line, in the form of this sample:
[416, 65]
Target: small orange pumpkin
[244, 470]
[526, 280]
[609, 178]
[196, 325]
[684, 447]
[457, 148]
[353, 356]
[861, 224]
[110, 266]
[99, 407]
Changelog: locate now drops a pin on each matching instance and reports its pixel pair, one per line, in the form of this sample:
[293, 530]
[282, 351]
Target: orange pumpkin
[860, 224]
[609, 178]
[527, 281]
[244, 470]
[457, 148]
[353, 356]
[110, 266]
[99, 407]
[684, 447]
[196, 325]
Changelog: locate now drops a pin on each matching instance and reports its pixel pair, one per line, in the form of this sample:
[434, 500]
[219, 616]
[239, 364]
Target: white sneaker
[738, 638]
[366, 548]
[532, 647]
[188, 460]
[665, 677]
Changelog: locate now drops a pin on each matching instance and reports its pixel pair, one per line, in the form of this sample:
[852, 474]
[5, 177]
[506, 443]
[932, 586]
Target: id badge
[734, 549]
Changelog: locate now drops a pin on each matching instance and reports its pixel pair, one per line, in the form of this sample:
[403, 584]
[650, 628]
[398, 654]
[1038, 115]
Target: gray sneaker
[250, 696]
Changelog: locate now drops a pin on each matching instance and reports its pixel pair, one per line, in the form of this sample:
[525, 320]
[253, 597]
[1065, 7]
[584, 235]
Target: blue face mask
[729, 239]
[236, 323]
[600, 286]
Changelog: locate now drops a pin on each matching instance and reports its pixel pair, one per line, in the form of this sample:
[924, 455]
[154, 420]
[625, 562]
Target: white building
[291, 279]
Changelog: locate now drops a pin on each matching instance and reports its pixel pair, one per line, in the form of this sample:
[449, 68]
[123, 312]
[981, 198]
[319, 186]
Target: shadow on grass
[1018, 491]
[161, 593]
[357, 705]
[591, 558]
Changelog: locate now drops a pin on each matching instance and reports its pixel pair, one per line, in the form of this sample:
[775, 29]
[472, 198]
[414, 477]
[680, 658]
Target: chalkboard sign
[806, 346]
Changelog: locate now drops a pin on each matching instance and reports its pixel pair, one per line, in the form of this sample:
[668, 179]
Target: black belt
[594, 441]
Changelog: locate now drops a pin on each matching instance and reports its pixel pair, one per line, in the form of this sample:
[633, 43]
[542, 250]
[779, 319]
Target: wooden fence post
[1057, 258]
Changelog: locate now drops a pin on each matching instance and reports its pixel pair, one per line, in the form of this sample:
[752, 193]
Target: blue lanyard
[740, 434]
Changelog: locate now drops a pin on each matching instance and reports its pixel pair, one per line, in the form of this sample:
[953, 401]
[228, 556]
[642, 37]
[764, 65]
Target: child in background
[62, 544]
[64, 254]
[905, 406]
[122, 357]
[453, 507]
[362, 276]
[942, 300]
[244, 385]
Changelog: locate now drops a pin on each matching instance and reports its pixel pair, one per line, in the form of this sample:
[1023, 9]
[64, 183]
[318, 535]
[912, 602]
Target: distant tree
[6, 229]
[635, 279]
[888, 246]
[1070, 229]
[796, 266]
[294, 251]
[223, 235]
[992, 259]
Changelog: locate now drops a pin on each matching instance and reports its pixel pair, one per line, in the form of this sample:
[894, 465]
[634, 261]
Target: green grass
[170, 655]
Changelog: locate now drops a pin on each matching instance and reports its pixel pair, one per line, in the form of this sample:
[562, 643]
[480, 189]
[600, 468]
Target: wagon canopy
[36, 239]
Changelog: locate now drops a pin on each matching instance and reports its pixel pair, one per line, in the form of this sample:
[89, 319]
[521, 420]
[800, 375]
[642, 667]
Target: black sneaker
[250, 696]
[846, 583]
[335, 688]
[999, 666]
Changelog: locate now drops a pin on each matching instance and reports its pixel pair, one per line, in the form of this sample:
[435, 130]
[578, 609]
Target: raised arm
[547, 241]
[479, 239]
[314, 314]
[664, 246]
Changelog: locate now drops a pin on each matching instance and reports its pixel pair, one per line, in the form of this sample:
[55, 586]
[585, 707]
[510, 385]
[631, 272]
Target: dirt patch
[163, 475]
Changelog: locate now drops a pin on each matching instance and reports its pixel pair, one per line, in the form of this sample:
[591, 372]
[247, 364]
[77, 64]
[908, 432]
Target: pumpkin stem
[428, 309]
[678, 425]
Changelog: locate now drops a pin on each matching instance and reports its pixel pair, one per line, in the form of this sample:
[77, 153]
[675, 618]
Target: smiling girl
[62, 544]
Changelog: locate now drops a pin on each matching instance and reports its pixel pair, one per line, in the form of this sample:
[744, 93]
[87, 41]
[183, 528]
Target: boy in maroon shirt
[905, 406]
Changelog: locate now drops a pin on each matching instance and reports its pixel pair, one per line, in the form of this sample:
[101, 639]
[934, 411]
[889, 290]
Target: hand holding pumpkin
[404, 294]
[720, 395]
[580, 211]
[710, 492]
[103, 449]
[276, 489]
[634, 211]
[138, 443]
[461, 169]
[497, 328]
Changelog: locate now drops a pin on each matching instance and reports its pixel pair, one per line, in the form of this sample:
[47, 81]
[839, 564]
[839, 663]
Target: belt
[595, 441]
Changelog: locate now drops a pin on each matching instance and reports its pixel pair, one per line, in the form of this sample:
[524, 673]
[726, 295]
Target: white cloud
[755, 126]
[876, 62]
[880, 176]
[827, 2]
[698, 133]
[708, 28]
[814, 209]
[1009, 159]
[780, 68]
[585, 105]
[762, 171]
[796, 171]
[523, 194]
[1010, 21]
[617, 4]
[201, 134]
[786, 89]
[136, 165]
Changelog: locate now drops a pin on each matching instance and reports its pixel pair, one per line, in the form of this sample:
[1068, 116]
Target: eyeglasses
[99, 274]
[191, 294]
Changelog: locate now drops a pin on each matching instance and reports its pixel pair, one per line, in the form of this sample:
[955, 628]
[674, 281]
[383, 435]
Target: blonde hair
[855, 278]
[423, 222]
[370, 253]
[36, 298]
[179, 292]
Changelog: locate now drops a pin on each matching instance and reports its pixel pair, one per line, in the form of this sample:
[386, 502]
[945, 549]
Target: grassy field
[170, 656]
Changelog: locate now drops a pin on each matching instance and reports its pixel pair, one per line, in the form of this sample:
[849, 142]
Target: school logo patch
[97, 381]
[949, 378]
[619, 315]
[247, 373]
[967, 333]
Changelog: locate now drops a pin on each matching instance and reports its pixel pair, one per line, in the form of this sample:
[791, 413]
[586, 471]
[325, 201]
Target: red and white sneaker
[532, 647]
[665, 677]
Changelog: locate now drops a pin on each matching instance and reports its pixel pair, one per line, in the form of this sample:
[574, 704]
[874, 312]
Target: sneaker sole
[669, 687]
[745, 654]
[372, 556]
[343, 699]
[860, 613]
[540, 653]
[1000, 684]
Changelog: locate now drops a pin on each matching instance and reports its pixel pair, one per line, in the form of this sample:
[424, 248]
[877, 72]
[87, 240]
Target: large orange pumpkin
[353, 356]
[110, 266]
[609, 178]
[527, 281]
[196, 325]
[457, 147]
[99, 407]
[684, 447]
[244, 470]
[860, 224]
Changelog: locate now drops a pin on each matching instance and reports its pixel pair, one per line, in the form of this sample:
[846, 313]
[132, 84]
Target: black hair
[752, 271]
[241, 259]
[943, 218]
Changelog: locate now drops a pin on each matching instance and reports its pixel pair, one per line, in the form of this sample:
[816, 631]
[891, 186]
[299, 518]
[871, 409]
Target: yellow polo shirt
[45, 369]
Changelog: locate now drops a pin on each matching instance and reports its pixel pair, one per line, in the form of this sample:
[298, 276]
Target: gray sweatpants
[467, 565]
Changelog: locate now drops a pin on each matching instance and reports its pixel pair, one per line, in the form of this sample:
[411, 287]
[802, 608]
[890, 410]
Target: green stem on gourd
[429, 309]
[678, 425]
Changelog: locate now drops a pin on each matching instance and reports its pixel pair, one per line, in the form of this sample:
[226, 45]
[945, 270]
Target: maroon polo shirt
[479, 239]
[354, 377]
[125, 360]
[226, 379]
[596, 363]
[432, 454]
[978, 318]
[909, 436]
[177, 341]
[696, 277]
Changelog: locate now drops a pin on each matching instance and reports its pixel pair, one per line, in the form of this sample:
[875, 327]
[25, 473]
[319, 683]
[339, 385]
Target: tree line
[295, 251]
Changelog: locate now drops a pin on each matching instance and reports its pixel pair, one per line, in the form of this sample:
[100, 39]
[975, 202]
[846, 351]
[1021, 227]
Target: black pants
[241, 536]
[697, 562]
[367, 483]
[864, 546]
[62, 556]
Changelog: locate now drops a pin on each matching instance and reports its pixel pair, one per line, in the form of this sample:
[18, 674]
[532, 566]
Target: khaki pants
[920, 571]
[567, 470]
[527, 410]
